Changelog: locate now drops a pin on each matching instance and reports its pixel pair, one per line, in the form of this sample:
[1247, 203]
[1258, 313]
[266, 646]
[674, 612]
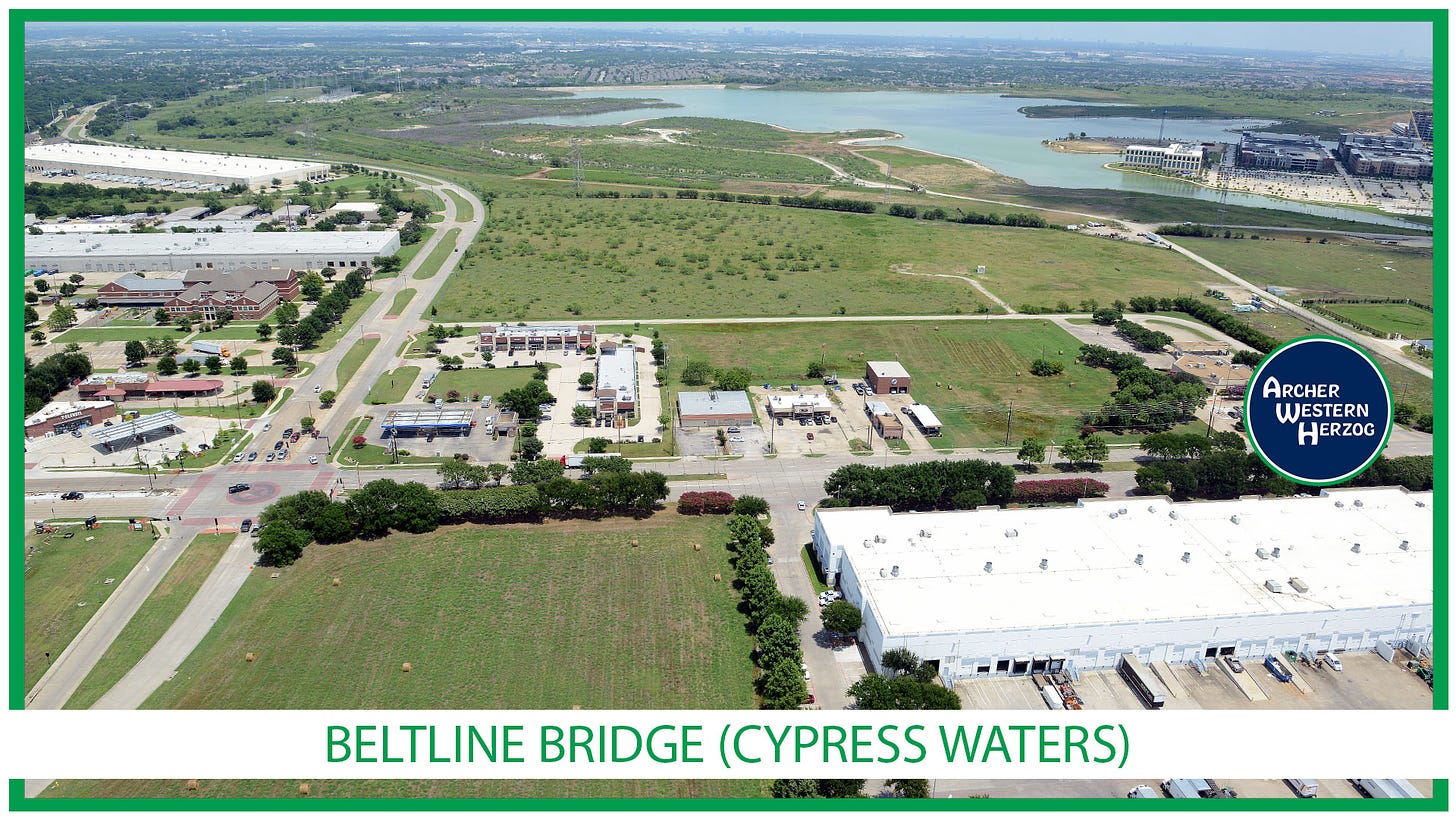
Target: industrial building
[884, 420]
[802, 404]
[1384, 155]
[502, 338]
[167, 168]
[714, 409]
[131, 386]
[999, 592]
[926, 419]
[1175, 158]
[302, 250]
[58, 418]
[616, 384]
[1284, 152]
[432, 421]
[886, 377]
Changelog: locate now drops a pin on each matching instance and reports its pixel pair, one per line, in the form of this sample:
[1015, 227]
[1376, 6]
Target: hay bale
[717, 578]
[338, 581]
[249, 657]
[635, 544]
[697, 547]
[406, 668]
[303, 789]
[192, 784]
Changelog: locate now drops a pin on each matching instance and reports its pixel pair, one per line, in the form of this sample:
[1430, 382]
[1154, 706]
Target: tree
[166, 345]
[41, 285]
[1047, 367]
[307, 422]
[909, 788]
[841, 617]
[840, 788]
[167, 365]
[1073, 450]
[263, 392]
[531, 448]
[529, 472]
[161, 316]
[526, 400]
[696, 373]
[358, 441]
[750, 505]
[384, 504]
[581, 415]
[597, 444]
[586, 380]
[386, 264]
[280, 544]
[32, 297]
[31, 316]
[213, 364]
[1032, 451]
[1095, 448]
[39, 337]
[872, 693]
[135, 351]
[285, 358]
[1152, 479]
[455, 473]
[794, 789]
[265, 331]
[62, 317]
[900, 660]
[814, 370]
[541, 371]
[332, 525]
[327, 397]
[777, 640]
[1107, 316]
[311, 286]
[735, 379]
[782, 686]
[286, 313]
[192, 366]
[299, 510]
[238, 365]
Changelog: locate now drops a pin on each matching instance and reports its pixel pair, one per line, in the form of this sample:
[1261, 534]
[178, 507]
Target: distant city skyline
[1403, 40]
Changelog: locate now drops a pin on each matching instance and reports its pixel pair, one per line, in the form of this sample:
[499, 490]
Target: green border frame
[1384, 382]
[1437, 17]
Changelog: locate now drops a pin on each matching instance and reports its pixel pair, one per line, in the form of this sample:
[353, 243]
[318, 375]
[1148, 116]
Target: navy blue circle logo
[1318, 410]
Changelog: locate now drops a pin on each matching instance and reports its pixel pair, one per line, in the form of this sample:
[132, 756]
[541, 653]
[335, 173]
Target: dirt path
[905, 268]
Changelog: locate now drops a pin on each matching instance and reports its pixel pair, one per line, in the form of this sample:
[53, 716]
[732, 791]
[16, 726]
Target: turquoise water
[983, 127]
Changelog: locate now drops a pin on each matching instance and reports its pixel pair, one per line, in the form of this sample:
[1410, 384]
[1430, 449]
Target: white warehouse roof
[161, 244]
[161, 163]
[926, 573]
[887, 369]
[924, 416]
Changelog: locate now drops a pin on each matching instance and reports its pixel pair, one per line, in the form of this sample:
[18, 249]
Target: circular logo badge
[1318, 410]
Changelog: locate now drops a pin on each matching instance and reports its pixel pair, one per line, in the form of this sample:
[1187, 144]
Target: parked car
[288, 432]
[781, 422]
[239, 487]
[267, 426]
[269, 459]
[72, 495]
[238, 458]
[810, 434]
[737, 439]
[313, 459]
[253, 456]
[317, 388]
[278, 445]
[75, 433]
[1334, 663]
[734, 430]
[803, 506]
[1234, 664]
[247, 524]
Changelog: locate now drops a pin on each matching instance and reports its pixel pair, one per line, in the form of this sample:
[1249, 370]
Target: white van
[1334, 663]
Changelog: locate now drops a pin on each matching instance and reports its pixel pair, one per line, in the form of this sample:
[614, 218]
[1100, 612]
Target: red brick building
[62, 417]
[887, 378]
[504, 337]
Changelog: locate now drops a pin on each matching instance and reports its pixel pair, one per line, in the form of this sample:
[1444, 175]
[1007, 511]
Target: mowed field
[550, 256]
[1330, 270]
[502, 617]
[412, 789]
[1410, 322]
[65, 583]
[975, 362]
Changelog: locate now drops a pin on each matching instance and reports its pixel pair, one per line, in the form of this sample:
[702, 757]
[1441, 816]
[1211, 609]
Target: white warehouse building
[996, 592]
[301, 250]
[169, 167]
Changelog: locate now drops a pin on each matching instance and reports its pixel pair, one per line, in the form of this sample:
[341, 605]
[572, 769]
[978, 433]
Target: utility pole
[1211, 411]
[1009, 408]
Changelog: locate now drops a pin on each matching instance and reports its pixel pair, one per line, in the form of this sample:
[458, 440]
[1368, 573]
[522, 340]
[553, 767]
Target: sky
[1409, 40]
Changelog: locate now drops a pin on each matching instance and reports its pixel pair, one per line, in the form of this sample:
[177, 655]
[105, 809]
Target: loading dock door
[1021, 665]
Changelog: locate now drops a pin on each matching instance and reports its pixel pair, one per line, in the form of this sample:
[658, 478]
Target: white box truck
[1306, 788]
[1388, 789]
[1053, 698]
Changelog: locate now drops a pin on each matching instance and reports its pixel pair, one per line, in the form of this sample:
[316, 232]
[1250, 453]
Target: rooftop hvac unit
[882, 571]
[1405, 545]
[1355, 548]
[1276, 552]
[1359, 502]
[988, 567]
[1112, 515]
[894, 571]
[1420, 504]
[1262, 553]
[1187, 557]
[1298, 585]
[1339, 504]
[1139, 559]
[1173, 513]
[1235, 520]
[1274, 586]
[1012, 533]
[1043, 563]
[1122, 511]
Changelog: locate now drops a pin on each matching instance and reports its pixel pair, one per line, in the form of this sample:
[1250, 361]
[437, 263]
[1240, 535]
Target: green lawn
[401, 301]
[356, 309]
[232, 332]
[222, 408]
[695, 258]
[485, 616]
[354, 359]
[1336, 269]
[393, 386]
[153, 619]
[464, 211]
[975, 362]
[471, 380]
[82, 335]
[1410, 322]
[407, 253]
[65, 583]
[437, 257]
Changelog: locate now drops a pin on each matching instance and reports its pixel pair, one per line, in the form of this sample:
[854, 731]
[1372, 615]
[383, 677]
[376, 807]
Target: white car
[267, 426]
[1334, 663]
[803, 506]
[737, 439]
[313, 459]
[238, 458]
[804, 667]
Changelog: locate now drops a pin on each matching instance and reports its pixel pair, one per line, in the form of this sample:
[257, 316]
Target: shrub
[705, 503]
[1046, 366]
[1061, 490]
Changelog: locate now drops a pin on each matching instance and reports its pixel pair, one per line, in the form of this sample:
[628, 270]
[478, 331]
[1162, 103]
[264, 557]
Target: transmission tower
[1223, 166]
[888, 169]
[576, 167]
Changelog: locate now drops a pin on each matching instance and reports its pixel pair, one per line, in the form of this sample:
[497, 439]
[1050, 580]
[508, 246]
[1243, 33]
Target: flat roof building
[1284, 152]
[1175, 158]
[799, 404]
[714, 409]
[616, 384]
[302, 250]
[60, 417]
[503, 337]
[886, 377]
[1385, 155]
[164, 168]
[1007, 591]
[430, 421]
[926, 419]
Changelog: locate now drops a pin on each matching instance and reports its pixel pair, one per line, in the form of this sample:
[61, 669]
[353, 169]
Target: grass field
[82, 335]
[464, 211]
[401, 379]
[975, 362]
[485, 381]
[521, 617]
[353, 360]
[424, 789]
[401, 301]
[1330, 270]
[65, 583]
[333, 334]
[153, 619]
[550, 256]
[232, 332]
[437, 257]
[1410, 322]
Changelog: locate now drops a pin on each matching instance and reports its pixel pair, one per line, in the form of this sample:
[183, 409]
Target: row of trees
[291, 523]
[1141, 337]
[699, 372]
[1144, 398]
[1087, 448]
[1229, 474]
[1167, 445]
[329, 310]
[51, 375]
[1208, 314]
[922, 487]
[910, 686]
[773, 617]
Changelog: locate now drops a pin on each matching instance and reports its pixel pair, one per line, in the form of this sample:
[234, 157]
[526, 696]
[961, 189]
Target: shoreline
[577, 89]
[1361, 208]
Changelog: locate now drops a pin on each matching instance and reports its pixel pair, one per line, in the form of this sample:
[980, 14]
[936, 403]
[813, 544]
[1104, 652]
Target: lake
[984, 127]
